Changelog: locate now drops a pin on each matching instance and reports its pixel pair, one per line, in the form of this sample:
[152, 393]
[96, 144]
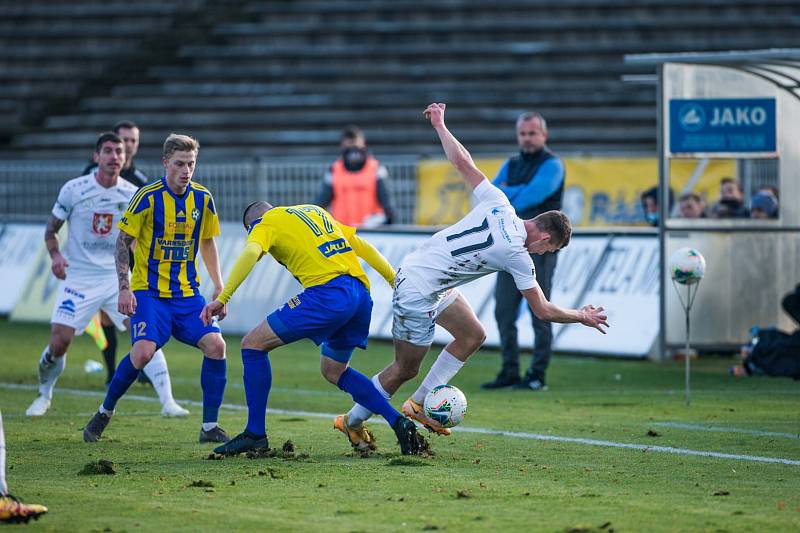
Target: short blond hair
[179, 143]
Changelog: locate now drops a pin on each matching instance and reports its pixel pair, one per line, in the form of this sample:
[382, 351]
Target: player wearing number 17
[490, 238]
[169, 221]
[333, 310]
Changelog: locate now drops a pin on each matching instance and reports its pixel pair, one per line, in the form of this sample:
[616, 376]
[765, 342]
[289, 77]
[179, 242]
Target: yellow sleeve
[368, 253]
[241, 269]
[133, 218]
[210, 220]
[263, 235]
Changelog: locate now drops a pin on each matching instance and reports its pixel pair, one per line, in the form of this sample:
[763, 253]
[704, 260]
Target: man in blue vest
[534, 183]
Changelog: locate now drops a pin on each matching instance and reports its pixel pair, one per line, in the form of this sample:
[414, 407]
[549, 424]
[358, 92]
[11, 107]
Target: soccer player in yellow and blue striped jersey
[333, 310]
[169, 221]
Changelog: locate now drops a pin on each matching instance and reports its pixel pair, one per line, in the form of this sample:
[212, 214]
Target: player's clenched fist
[127, 302]
[59, 266]
[435, 113]
[213, 309]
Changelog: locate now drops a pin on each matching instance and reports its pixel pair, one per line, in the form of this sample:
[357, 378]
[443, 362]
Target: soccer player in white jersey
[490, 238]
[92, 204]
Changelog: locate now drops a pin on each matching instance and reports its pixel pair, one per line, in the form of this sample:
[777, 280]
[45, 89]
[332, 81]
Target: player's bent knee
[142, 352]
[213, 346]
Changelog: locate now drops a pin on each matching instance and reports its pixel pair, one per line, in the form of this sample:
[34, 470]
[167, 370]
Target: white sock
[208, 426]
[3, 486]
[359, 414]
[442, 371]
[49, 372]
[158, 373]
[105, 411]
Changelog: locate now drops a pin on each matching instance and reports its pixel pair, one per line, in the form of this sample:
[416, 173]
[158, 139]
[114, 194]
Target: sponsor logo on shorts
[66, 308]
[294, 302]
[73, 292]
[339, 246]
[102, 223]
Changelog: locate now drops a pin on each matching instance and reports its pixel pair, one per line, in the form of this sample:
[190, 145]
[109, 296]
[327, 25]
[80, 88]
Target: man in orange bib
[354, 190]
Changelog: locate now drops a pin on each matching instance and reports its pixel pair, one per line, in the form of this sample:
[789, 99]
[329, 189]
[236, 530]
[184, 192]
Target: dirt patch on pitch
[103, 467]
[286, 452]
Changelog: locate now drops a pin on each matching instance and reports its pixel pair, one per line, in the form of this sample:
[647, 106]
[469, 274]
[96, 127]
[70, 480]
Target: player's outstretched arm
[127, 300]
[59, 262]
[210, 254]
[458, 156]
[588, 315]
[373, 257]
[241, 269]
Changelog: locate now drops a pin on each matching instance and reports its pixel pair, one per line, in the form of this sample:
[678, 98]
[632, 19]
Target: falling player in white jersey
[490, 238]
[92, 204]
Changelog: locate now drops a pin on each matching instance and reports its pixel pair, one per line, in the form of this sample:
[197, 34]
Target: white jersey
[92, 213]
[489, 239]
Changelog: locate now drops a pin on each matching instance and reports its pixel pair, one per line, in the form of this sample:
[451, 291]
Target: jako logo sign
[693, 116]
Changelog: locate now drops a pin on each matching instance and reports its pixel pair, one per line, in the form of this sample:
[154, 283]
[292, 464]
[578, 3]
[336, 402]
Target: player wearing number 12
[170, 221]
[333, 310]
[490, 238]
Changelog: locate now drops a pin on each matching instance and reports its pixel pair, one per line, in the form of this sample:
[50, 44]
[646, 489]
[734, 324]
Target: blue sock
[212, 381]
[123, 378]
[257, 382]
[364, 392]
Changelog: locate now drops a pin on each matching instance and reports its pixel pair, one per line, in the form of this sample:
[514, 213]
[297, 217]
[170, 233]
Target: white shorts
[79, 299]
[415, 314]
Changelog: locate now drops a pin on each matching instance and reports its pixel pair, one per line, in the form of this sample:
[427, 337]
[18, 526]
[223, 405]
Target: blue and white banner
[722, 125]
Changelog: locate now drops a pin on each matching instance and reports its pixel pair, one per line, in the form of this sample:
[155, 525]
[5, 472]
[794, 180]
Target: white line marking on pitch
[483, 431]
[725, 429]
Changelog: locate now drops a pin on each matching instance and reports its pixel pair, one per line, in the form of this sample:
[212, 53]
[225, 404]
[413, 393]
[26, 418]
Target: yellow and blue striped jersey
[168, 230]
[307, 240]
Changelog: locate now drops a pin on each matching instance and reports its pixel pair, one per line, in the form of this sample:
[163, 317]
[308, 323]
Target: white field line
[725, 429]
[483, 431]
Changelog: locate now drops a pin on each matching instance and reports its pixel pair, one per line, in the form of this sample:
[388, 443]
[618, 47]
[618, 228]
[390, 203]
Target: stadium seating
[280, 79]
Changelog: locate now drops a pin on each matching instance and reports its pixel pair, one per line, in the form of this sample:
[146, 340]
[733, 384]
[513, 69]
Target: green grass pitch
[475, 482]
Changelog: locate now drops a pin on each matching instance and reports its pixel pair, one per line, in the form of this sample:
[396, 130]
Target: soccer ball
[687, 266]
[447, 405]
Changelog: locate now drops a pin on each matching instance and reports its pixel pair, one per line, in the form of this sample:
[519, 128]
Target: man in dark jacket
[534, 183]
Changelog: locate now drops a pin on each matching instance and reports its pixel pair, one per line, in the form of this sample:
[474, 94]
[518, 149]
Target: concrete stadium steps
[574, 27]
[277, 78]
[380, 139]
[327, 116]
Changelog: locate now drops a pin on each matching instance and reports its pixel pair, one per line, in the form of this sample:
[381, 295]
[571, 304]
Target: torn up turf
[99, 468]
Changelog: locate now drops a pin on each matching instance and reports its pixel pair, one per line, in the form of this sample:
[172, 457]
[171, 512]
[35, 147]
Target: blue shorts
[156, 319]
[335, 315]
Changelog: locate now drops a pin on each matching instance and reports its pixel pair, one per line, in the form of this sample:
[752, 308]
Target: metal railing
[28, 189]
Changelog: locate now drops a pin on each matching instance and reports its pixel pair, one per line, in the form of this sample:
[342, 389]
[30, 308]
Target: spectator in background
[771, 190]
[763, 206]
[731, 200]
[129, 132]
[692, 205]
[354, 189]
[533, 181]
[650, 207]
